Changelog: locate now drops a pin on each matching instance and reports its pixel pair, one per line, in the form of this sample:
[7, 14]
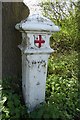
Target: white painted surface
[34, 79]
[36, 31]
[36, 22]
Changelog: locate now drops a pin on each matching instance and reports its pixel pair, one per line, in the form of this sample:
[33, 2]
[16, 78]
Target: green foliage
[62, 13]
[65, 39]
[12, 104]
[62, 85]
[61, 89]
[61, 92]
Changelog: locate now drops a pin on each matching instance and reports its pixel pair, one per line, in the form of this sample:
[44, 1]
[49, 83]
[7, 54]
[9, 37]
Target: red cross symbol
[39, 41]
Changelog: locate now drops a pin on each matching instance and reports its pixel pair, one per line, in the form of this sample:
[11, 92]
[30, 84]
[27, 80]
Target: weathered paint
[34, 79]
[37, 23]
[35, 57]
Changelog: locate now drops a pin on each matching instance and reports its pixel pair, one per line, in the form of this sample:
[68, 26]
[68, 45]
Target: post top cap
[38, 23]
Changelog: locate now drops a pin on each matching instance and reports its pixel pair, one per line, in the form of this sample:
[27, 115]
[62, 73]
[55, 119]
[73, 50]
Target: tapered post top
[37, 23]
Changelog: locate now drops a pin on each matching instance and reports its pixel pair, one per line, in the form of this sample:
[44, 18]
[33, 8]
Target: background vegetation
[62, 85]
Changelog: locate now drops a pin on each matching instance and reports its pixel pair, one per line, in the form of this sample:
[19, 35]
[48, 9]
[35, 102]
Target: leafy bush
[62, 100]
[12, 105]
[62, 88]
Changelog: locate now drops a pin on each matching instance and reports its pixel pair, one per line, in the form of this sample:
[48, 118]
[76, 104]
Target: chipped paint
[37, 22]
[38, 83]
[36, 31]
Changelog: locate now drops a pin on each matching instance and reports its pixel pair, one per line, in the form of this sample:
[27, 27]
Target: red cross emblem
[39, 41]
